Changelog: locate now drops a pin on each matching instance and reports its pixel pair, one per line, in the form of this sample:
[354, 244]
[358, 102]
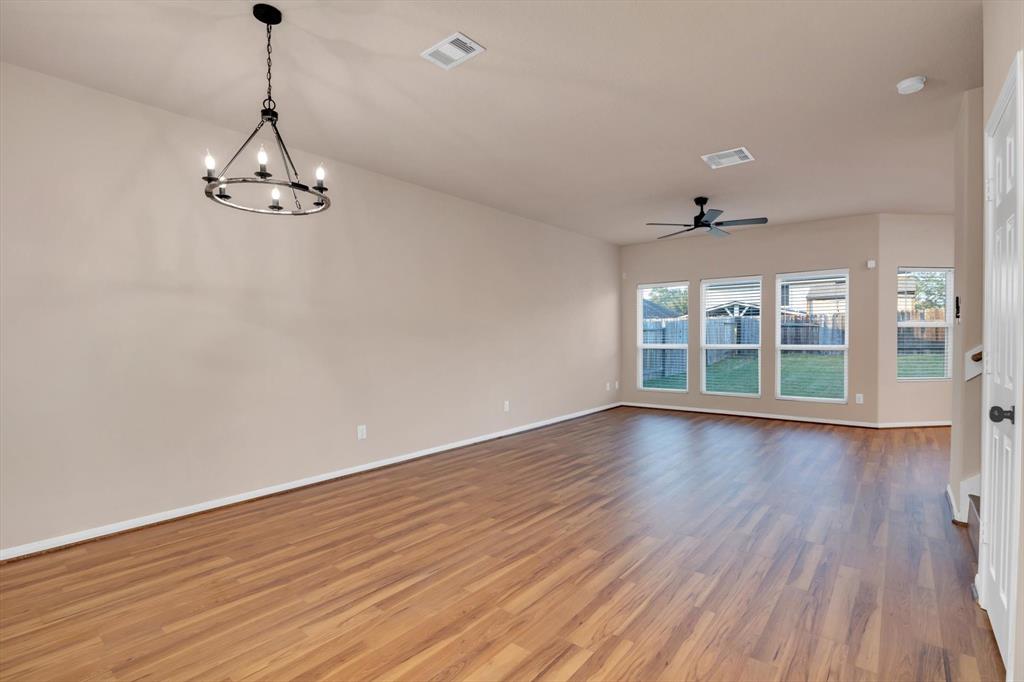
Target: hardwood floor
[627, 545]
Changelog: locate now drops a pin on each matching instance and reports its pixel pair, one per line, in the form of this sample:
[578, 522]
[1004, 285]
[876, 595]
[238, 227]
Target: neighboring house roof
[656, 311]
[826, 292]
[726, 309]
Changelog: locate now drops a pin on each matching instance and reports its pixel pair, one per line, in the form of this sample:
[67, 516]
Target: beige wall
[158, 351]
[841, 243]
[968, 226]
[1003, 30]
[909, 241]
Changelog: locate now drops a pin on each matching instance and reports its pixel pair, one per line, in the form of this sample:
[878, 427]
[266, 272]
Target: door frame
[1013, 89]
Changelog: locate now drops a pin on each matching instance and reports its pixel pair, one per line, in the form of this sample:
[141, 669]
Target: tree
[673, 298]
[931, 290]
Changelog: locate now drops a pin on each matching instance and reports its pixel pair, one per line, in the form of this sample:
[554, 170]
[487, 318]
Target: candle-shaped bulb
[209, 161]
[261, 156]
[320, 173]
[275, 194]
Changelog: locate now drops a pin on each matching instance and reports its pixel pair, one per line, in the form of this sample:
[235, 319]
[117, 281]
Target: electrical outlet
[508, 407]
[860, 398]
[608, 386]
[361, 432]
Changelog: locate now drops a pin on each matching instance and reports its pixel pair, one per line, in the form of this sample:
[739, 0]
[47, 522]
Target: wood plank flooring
[628, 545]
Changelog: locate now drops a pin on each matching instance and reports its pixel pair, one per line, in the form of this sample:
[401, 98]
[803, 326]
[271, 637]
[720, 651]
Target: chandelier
[218, 184]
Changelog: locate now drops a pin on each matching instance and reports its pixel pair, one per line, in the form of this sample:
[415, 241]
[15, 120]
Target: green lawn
[804, 375]
[921, 366]
[674, 381]
[736, 374]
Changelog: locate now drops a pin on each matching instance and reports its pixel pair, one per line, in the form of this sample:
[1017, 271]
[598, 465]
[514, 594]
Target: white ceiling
[587, 115]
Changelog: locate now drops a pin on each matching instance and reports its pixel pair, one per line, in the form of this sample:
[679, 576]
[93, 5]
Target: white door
[999, 561]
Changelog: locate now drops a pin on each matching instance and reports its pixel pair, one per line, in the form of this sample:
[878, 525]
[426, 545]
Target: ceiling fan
[707, 220]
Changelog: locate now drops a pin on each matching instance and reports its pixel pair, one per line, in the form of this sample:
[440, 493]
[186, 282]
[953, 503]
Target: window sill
[801, 399]
[663, 390]
[732, 395]
[918, 380]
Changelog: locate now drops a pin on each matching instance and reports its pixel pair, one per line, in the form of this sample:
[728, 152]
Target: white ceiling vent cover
[730, 157]
[452, 51]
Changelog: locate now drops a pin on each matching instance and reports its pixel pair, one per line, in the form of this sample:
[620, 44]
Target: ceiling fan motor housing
[701, 202]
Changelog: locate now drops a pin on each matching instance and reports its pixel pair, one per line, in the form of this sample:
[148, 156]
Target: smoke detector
[452, 51]
[730, 157]
[908, 86]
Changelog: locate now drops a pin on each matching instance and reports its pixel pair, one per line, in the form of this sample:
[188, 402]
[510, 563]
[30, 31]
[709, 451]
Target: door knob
[998, 414]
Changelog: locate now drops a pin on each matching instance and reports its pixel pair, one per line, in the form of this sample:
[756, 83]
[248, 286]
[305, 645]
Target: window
[662, 336]
[923, 323]
[811, 334]
[732, 336]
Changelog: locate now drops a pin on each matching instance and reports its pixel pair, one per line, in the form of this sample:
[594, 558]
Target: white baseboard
[957, 514]
[791, 418]
[150, 519]
[910, 425]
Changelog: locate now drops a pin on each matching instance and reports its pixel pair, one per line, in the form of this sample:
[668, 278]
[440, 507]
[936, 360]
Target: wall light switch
[608, 386]
[508, 408]
[860, 398]
[616, 384]
[361, 432]
[872, 264]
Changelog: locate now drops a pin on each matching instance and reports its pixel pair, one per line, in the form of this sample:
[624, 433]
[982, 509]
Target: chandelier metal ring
[322, 203]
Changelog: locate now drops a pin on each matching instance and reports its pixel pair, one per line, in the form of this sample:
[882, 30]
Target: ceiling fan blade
[671, 224]
[666, 236]
[742, 221]
[711, 216]
[715, 232]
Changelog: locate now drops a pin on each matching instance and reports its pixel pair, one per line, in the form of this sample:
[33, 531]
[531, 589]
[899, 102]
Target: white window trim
[779, 347]
[947, 324]
[640, 346]
[705, 347]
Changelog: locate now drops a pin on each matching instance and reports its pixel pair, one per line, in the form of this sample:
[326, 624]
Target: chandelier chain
[269, 102]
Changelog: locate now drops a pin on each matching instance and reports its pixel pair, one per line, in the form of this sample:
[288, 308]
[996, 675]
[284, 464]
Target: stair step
[974, 521]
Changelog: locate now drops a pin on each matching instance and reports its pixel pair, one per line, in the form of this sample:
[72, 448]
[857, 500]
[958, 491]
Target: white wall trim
[789, 417]
[969, 486]
[150, 519]
[910, 425]
[954, 507]
[960, 503]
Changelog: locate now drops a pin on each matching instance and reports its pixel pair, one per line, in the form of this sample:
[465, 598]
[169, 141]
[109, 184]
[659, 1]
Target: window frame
[946, 324]
[780, 278]
[705, 347]
[641, 346]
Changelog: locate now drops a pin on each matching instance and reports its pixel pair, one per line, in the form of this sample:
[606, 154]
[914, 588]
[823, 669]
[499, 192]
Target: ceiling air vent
[730, 157]
[452, 51]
